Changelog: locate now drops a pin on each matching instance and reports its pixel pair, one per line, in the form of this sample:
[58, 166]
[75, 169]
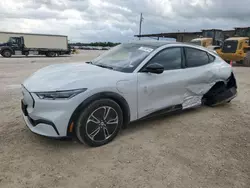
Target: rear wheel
[6, 53]
[51, 54]
[99, 123]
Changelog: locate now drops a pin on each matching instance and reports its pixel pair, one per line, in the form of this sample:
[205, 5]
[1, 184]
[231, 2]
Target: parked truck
[35, 44]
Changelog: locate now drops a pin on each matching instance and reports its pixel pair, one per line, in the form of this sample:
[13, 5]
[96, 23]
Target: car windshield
[124, 57]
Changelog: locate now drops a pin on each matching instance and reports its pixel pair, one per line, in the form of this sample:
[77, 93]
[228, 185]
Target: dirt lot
[205, 147]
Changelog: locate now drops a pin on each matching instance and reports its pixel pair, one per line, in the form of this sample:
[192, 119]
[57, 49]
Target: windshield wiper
[104, 66]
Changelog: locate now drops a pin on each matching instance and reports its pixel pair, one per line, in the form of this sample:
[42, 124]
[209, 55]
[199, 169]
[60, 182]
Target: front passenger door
[160, 91]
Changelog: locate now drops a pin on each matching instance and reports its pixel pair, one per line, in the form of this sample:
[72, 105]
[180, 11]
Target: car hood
[66, 77]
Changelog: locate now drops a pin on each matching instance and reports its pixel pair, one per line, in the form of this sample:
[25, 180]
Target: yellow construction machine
[205, 42]
[237, 48]
[211, 38]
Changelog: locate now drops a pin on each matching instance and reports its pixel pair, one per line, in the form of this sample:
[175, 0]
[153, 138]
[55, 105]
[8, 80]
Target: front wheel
[99, 123]
[6, 53]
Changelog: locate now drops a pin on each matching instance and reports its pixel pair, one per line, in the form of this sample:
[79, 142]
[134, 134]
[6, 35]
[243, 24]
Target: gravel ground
[204, 147]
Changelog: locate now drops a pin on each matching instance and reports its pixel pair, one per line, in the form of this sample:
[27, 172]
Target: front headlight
[53, 95]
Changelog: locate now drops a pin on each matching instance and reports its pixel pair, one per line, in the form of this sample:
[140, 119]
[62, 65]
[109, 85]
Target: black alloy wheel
[99, 123]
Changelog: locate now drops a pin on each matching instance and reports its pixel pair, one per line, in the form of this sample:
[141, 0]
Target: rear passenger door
[200, 75]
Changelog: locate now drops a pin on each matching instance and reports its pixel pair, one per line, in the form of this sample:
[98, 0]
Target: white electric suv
[93, 100]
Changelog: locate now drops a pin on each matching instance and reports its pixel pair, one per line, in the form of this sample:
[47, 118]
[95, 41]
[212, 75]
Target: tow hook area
[221, 93]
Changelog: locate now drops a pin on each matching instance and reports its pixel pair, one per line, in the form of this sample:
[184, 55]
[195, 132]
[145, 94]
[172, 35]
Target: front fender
[110, 95]
[6, 48]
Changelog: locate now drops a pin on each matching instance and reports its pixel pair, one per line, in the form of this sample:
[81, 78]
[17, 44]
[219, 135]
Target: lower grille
[24, 108]
[230, 46]
[32, 122]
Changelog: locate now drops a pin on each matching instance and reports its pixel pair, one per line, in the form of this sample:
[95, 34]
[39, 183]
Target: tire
[99, 123]
[51, 54]
[6, 53]
[26, 53]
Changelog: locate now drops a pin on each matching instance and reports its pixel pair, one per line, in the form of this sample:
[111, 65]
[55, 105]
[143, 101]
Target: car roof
[153, 43]
[158, 44]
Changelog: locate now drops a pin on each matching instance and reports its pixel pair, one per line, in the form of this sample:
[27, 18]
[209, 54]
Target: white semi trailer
[36, 44]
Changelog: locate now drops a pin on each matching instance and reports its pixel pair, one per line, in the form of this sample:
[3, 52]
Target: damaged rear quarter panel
[202, 79]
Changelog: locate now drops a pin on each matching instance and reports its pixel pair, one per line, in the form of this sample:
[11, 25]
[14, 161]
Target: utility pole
[141, 19]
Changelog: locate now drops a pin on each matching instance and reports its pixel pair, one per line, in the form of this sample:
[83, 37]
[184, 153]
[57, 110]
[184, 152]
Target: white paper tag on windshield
[145, 49]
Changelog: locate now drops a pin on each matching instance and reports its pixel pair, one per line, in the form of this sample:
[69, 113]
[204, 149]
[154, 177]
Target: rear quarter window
[196, 57]
[211, 58]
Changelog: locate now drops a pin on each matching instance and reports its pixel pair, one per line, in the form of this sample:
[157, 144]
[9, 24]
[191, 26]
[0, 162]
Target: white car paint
[145, 93]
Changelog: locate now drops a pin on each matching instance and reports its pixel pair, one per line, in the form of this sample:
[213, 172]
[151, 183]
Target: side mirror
[154, 68]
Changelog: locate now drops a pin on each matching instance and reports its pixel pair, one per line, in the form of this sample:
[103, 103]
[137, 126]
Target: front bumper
[47, 117]
[42, 128]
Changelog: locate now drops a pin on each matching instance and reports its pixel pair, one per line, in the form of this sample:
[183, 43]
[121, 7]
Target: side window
[18, 41]
[169, 58]
[13, 40]
[211, 58]
[195, 57]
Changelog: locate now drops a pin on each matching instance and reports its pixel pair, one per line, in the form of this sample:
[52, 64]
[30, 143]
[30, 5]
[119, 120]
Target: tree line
[101, 44]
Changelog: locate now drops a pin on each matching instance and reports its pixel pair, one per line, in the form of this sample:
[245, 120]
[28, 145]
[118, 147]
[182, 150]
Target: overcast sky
[117, 20]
